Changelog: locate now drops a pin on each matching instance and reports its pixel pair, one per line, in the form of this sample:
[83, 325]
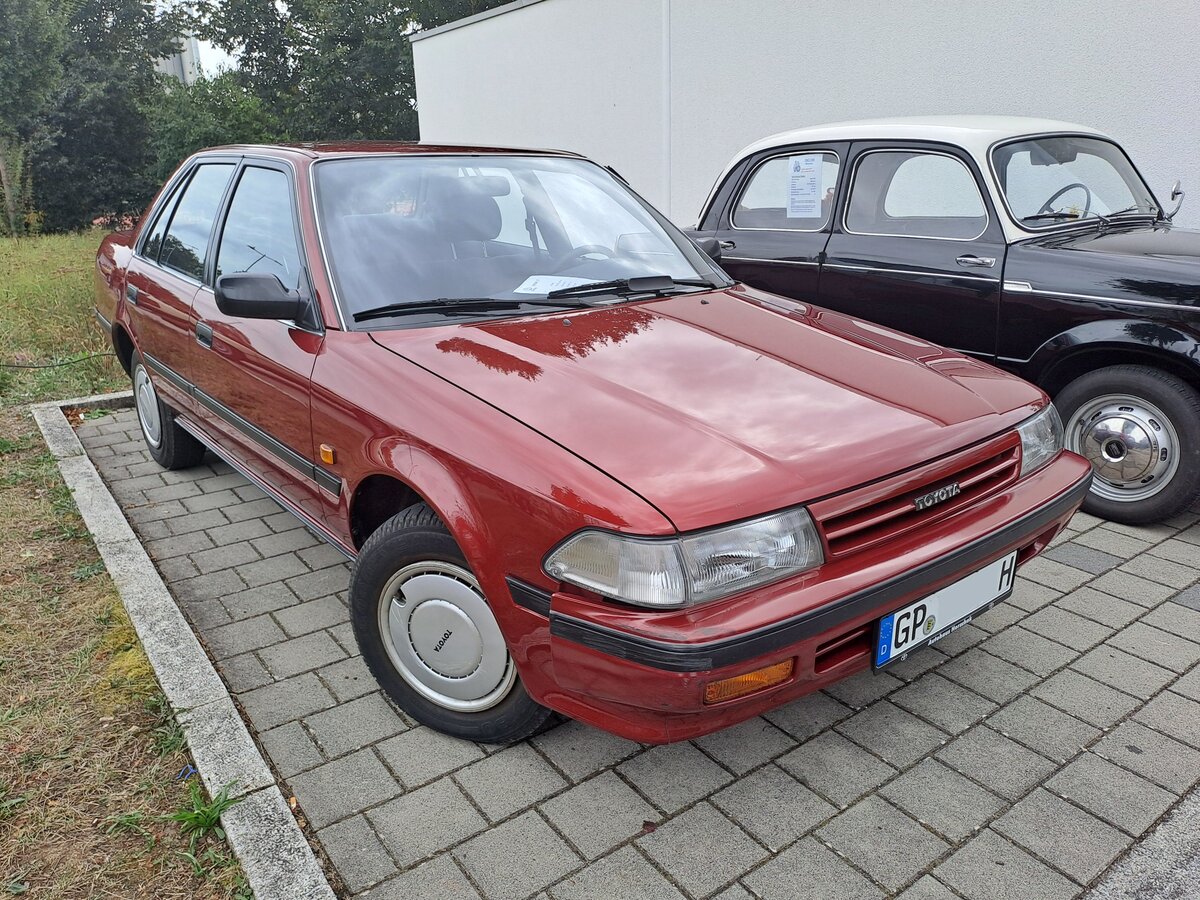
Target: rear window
[185, 245]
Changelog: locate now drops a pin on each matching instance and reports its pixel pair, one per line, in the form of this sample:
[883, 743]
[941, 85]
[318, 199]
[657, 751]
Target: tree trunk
[9, 191]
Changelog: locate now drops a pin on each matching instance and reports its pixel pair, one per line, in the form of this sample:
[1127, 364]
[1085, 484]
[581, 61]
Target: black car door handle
[728, 245]
[204, 334]
[976, 262]
[131, 293]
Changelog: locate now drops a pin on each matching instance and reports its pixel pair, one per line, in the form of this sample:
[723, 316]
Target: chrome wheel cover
[442, 638]
[147, 406]
[1132, 445]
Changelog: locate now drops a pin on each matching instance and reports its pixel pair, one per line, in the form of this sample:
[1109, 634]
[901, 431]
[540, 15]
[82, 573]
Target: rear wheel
[1140, 429]
[169, 445]
[428, 634]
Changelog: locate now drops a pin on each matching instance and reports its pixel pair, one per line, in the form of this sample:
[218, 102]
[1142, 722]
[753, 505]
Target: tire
[169, 445]
[1140, 428]
[411, 593]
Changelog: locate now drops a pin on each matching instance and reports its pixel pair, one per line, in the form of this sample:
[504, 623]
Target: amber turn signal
[749, 683]
[326, 454]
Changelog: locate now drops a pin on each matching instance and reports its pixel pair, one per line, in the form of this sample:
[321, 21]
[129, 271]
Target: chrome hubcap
[147, 406]
[442, 638]
[1131, 444]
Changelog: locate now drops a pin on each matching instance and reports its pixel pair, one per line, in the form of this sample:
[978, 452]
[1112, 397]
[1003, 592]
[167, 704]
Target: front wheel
[428, 634]
[1140, 429]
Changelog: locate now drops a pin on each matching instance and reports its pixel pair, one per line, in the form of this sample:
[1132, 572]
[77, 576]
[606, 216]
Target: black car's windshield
[428, 229]
[1063, 178]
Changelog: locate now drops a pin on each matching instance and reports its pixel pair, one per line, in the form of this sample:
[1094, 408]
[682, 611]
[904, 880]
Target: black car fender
[1172, 346]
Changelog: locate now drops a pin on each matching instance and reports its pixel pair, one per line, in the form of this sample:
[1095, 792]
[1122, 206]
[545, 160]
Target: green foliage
[89, 130]
[98, 159]
[199, 818]
[31, 38]
[332, 69]
[209, 112]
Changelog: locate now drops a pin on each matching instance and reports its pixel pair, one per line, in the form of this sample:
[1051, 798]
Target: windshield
[417, 229]
[1050, 180]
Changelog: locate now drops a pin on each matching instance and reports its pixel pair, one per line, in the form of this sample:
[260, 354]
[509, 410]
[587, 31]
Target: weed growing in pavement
[200, 817]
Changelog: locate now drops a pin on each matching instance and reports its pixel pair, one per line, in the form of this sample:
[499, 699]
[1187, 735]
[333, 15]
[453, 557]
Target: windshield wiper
[642, 284]
[1059, 214]
[453, 306]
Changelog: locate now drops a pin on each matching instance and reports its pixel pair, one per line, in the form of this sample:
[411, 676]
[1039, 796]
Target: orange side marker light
[749, 683]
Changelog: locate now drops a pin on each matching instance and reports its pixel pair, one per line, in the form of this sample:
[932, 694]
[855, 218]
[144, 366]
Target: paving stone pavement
[1019, 758]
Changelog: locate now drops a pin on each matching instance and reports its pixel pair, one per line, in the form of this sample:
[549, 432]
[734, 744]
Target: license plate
[932, 618]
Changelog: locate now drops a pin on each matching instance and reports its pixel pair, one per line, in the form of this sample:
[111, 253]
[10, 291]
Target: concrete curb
[277, 860]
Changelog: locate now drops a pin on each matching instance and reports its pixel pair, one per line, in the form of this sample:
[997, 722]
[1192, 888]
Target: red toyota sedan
[577, 467]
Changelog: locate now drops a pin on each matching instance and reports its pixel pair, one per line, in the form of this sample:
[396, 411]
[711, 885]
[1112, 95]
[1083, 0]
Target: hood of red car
[721, 405]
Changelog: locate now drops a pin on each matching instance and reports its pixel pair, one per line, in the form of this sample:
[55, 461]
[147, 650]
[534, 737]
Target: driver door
[918, 247]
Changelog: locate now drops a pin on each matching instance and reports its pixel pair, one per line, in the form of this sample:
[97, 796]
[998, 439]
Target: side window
[915, 194]
[259, 233]
[153, 246]
[789, 193]
[186, 240]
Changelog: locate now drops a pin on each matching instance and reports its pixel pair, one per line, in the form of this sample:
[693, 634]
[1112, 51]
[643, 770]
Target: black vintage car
[1032, 244]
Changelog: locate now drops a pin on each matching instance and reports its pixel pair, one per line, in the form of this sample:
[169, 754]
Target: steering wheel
[1048, 206]
[576, 254]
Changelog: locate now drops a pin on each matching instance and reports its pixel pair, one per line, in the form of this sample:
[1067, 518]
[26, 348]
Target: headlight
[668, 573]
[1041, 439]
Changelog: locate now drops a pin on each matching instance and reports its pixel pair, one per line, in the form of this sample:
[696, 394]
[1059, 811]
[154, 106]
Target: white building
[184, 65]
[666, 91]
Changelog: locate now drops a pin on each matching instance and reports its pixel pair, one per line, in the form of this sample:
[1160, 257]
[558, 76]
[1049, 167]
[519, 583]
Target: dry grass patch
[89, 752]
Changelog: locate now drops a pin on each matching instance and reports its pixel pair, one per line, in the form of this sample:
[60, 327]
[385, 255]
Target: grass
[89, 749]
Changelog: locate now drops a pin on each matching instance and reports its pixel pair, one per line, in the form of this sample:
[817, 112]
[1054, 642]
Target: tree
[206, 113]
[98, 158]
[332, 69]
[31, 39]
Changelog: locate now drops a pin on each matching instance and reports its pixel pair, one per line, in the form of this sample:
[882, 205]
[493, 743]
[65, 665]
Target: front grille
[869, 515]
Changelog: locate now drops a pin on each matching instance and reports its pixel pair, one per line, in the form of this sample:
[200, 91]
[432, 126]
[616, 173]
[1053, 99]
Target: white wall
[581, 75]
[667, 90]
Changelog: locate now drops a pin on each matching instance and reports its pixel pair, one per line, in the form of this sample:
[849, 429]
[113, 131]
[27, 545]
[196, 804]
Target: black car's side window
[908, 193]
[260, 233]
[789, 193]
[186, 240]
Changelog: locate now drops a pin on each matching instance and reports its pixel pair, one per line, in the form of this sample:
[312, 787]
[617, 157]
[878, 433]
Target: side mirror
[711, 248]
[1177, 194]
[255, 295]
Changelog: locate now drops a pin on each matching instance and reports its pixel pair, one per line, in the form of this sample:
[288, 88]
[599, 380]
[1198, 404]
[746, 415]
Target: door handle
[727, 245]
[131, 293]
[204, 335]
[976, 262]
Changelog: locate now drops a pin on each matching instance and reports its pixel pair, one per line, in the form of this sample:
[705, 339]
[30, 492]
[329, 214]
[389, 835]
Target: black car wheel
[1140, 429]
[428, 635]
[169, 445]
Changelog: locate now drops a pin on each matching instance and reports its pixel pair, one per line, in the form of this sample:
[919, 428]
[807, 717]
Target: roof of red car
[341, 148]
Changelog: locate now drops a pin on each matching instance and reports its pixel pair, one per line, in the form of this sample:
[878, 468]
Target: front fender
[1126, 338]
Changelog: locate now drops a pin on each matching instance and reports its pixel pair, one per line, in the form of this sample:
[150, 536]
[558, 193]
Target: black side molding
[268, 442]
[674, 657]
[528, 596]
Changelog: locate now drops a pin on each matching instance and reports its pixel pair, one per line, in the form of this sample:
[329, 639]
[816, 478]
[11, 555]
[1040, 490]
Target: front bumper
[641, 676]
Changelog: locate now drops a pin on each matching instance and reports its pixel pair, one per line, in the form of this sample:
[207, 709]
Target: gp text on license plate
[930, 618]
